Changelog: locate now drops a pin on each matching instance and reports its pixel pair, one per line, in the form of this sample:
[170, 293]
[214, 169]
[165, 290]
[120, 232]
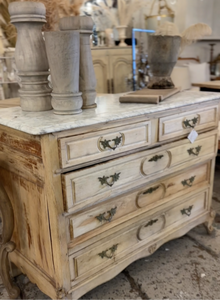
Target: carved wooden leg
[6, 245]
[208, 224]
[12, 289]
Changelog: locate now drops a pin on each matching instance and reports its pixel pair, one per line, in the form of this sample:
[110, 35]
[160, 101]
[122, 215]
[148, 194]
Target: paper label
[192, 136]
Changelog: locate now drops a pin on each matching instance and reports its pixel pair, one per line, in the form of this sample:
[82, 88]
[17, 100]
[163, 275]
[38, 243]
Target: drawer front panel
[88, 147]
[153, 195]
[107, 180]
[105, 252]
[188, 209]
[182, 124]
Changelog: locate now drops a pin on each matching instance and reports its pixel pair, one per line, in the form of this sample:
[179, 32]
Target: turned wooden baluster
[6, 245]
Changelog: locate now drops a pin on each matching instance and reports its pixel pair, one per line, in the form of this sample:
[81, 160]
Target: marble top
[108, 109]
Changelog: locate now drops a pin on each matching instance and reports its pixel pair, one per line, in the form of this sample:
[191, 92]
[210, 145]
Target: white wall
[189, 12]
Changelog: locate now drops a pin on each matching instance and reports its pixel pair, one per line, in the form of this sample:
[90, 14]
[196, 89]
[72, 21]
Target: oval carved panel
[155, 163]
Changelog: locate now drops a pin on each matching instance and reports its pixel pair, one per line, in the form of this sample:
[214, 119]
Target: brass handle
[151, 222]
[151, 190]
[195, 151]
[118, 140]
[189, 181]
[110, 213]
[111, 250]
[104, 179]
[187, 211]
[156, 158]
[191, 123]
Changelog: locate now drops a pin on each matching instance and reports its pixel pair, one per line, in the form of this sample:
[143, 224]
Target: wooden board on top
[148, 96]
[208, 84]
[9, 102]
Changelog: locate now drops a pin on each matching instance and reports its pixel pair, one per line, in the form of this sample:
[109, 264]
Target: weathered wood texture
[75, 227]
[26, 171]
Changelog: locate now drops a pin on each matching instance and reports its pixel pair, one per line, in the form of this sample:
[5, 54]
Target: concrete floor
[185, 268]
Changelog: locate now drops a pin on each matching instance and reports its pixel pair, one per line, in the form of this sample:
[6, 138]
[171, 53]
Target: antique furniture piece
[112, 66]
[92, 193]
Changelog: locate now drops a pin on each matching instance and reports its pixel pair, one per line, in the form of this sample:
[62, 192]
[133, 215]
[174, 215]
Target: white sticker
[193, 136]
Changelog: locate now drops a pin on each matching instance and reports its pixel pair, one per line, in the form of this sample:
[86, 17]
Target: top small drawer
[88, 147]
[181, 124]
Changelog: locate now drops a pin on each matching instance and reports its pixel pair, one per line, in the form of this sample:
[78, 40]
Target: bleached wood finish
[75, 226]
[132, 170]
[112, 66]
[181, 124]
[87, 147]
[134, 203]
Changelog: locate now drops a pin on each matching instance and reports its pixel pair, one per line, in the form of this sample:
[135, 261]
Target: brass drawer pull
[151, 190]
[111, 250]
[194, 151]
[110, 213]
[151, 222]
[104, 179]
[191, 123]
[156, 158]
[118, 140]
[189, 181]
[187, 211]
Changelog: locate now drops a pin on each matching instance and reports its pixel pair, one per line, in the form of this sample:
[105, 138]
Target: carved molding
[208, 224]
[6, 245]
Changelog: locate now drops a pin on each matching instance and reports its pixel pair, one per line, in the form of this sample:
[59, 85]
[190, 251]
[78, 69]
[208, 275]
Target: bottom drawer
[138, 233]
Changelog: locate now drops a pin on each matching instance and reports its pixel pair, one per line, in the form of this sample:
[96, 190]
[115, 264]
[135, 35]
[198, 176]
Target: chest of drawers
[84, 196]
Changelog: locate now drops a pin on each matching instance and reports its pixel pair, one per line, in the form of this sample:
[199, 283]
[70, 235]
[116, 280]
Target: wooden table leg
[6, 245]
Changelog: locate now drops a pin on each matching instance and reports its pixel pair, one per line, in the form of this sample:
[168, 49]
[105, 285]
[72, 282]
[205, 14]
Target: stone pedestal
[30, 55]
[87, 79]
[63, 55]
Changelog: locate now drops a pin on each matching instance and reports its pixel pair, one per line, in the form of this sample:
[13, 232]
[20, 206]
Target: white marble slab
[109, 109]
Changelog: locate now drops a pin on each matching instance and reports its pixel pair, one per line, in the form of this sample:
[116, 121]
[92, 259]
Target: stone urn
[63, 55]
[30, 55]
[87, 78]
[122, 35]
[162, 56]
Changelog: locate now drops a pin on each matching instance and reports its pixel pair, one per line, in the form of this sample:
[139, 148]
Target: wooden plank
[22, 164]
[36, 276]
[20, 141]
[9, 102]
[208, 84]
[54, 204]
[150, 96]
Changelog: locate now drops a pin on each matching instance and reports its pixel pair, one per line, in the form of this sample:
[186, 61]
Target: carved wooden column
[6, 245]
[30, 55]
[87, 78]
[63, 55]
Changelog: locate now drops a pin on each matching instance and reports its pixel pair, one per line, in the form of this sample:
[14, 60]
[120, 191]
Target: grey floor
[186, 268]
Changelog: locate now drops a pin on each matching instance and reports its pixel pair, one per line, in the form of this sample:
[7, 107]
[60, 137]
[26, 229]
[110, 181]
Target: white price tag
[192, 136]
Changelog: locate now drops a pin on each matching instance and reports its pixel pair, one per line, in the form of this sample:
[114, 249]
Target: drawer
[107, 180]
[88, 147]
[115, 211]
[150, 227]
[182, 124]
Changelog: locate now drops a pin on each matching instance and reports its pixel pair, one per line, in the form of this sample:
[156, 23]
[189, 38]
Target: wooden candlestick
[30, 55]
[87, 79]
